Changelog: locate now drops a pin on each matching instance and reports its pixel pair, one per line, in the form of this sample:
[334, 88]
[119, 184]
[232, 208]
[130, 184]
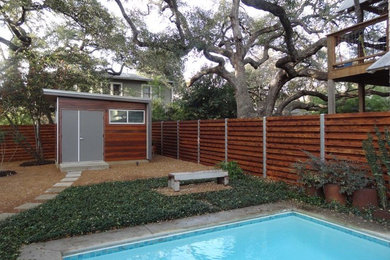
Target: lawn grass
[86, 209]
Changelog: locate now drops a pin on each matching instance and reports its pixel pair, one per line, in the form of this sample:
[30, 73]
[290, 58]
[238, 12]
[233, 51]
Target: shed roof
[381, 64]
[73, 94]
[128, 76]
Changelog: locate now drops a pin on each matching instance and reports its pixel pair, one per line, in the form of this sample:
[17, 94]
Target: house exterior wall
[121, 141]
[134, 89]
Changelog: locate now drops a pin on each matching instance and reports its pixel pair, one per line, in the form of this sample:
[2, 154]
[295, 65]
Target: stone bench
[175, 178]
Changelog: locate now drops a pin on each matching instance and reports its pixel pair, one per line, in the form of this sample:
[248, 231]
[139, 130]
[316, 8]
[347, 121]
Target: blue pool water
[282, 236]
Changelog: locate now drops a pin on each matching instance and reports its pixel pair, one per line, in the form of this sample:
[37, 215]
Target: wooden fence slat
[285, 140]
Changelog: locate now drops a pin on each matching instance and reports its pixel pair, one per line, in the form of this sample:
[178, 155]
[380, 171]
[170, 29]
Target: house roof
[381, 64]
[73, 94]
[348, 4]
[128, 76]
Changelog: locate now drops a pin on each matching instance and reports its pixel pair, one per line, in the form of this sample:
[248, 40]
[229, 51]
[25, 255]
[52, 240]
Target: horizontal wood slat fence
[15, 152]
[268, 146]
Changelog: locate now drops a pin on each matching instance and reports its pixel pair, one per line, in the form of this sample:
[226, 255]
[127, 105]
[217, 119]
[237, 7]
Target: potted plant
[359, 185]
[335, 182]
[310, 175]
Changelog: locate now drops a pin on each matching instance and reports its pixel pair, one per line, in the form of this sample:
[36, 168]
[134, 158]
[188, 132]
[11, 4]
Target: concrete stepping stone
[3, 216]
[73, 174]
[55, 190]
[67, 179]
[29, 205]
[63, 184]
[46, 197]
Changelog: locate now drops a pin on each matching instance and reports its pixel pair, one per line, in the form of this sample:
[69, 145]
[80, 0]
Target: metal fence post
[177, 139]
[264, 147]
[162, 138]
[322, 137]
[198, 141]
[226, 139]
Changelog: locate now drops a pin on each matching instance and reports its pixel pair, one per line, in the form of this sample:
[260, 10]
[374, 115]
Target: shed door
[82, 136]
[69, 140]
[91, 136]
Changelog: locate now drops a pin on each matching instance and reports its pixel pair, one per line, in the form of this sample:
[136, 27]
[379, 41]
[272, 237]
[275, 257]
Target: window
[147, 91]
[118, 116]
[116, 89]
[127, 116]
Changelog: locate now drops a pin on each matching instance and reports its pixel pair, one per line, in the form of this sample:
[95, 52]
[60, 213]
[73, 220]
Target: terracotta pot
[332, 193]
[381, 214]
[313, 191]
[365, 198]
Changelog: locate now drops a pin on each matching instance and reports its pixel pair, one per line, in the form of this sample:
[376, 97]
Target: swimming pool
[282, 236]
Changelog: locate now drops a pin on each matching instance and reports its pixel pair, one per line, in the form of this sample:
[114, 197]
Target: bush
[311, 171]
[234, 170]
[379, 160]
[350, 175]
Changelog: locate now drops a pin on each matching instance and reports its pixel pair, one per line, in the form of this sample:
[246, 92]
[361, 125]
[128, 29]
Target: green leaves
[85, 209]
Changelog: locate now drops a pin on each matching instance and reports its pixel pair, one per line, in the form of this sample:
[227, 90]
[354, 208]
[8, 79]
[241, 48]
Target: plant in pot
[379, 162]
[359, 185]
[335, 180]
[310, 175]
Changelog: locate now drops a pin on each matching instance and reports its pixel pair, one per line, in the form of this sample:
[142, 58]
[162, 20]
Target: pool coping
[56, 249]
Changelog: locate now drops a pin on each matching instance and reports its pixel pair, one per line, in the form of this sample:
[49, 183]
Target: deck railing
[358, 45]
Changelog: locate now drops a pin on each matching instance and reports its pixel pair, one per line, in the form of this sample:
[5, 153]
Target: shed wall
[121, 142]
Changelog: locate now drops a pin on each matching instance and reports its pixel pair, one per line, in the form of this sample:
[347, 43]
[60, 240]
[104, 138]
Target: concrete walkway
[50, 193]
[56, 249]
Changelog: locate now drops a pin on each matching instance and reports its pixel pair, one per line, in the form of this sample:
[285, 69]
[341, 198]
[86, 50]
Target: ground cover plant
[86, 209]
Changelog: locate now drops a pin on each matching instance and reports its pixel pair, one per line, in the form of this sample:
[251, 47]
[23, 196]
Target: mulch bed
[35, 163]
[193, 188]
[7, 173]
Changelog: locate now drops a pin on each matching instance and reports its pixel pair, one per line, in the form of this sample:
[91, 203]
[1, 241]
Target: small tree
[378, 160]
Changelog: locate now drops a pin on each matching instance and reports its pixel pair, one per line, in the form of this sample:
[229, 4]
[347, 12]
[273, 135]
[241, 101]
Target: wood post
[331, 97]
[198, 141]
[226, 139]
[322, 137]
[362, 97]
[264, 147]
[178, 139]
[162, 137]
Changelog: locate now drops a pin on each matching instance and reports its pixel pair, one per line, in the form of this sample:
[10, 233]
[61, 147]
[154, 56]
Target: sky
[194, 61]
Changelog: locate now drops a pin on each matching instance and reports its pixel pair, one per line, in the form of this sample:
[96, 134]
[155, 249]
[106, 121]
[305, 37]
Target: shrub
[234, 170]
[377, 160]
[311, 171]
[350, 175]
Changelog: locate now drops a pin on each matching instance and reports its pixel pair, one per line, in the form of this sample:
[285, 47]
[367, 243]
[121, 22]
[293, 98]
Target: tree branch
[298, 95]
[134, 28]
[284, 20]
[219, 70]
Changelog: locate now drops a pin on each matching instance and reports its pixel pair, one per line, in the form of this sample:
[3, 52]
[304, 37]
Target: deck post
[198, 140]
[177, 139]
[264, 147]
[331, 97]
[322, 137]
[226, 139]
[362, 97]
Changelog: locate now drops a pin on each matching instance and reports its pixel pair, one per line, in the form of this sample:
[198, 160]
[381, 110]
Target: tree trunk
[38, 144]
[275, 87]
[244, 102]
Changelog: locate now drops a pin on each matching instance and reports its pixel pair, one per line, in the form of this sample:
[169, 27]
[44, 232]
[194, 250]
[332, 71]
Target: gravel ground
[30, 182]
[160, 166]
[26, 184]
